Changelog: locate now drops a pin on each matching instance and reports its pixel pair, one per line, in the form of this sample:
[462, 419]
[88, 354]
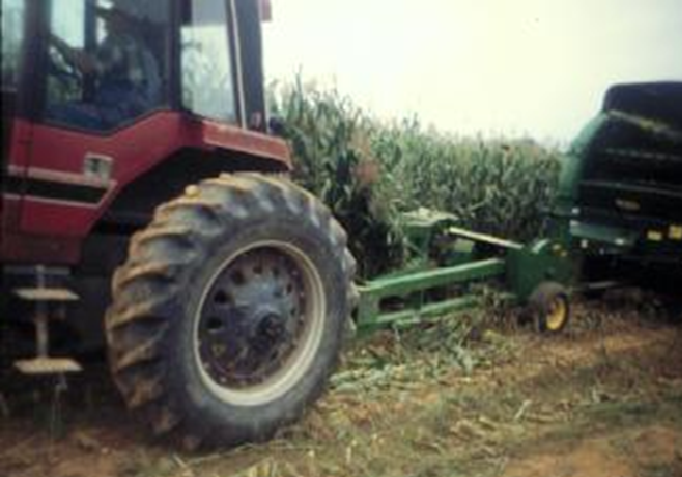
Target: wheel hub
[269, 324]
[252, 318]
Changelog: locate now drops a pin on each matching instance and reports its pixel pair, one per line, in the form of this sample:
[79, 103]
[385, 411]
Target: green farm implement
[620, 195]
[617, 218]
[536, 273]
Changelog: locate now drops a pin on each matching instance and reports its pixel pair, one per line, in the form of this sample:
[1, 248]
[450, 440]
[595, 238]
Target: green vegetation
[369, 171]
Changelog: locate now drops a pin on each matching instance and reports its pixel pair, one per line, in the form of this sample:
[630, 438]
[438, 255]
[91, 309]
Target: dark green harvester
[620, 197]
[617, 217]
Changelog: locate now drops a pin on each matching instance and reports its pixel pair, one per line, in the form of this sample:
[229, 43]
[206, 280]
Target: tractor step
[50, 302]
[48, 366]
[46, 294]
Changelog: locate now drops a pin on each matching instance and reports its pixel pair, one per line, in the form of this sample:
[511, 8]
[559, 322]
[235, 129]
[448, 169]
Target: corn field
[368, 171]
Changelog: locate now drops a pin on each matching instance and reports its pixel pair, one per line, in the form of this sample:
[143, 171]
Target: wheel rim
[556, 314]
[259, 323]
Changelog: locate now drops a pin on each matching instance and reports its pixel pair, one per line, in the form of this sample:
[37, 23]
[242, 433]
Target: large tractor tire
[227, 319]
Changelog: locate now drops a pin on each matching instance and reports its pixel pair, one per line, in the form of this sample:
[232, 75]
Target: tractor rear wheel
[228, 317]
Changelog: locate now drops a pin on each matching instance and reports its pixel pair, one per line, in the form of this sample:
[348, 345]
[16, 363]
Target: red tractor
[146, 211]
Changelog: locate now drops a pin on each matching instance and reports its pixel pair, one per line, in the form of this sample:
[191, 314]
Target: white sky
[536, 67]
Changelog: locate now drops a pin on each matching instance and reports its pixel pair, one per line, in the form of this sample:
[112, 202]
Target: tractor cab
[105, 99]
[98, 66]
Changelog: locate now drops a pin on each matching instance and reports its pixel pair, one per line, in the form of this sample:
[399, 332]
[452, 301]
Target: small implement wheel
[228, 317]
[551, 307]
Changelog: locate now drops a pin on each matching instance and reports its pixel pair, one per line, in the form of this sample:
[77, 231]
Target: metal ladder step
[48, 366]
[46, 300]
[46, 294]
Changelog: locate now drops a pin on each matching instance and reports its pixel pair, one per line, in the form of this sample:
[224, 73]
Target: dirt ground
[602, 400]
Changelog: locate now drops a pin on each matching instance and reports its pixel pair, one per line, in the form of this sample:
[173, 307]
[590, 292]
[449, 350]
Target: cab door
[84, 147]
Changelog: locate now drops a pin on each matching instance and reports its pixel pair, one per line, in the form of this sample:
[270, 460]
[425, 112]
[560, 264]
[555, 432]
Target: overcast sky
[516, 67]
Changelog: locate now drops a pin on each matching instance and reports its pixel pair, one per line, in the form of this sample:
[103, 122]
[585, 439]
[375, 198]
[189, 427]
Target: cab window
[107, 62]
[207, 77]
[12, 42]
[12, 14]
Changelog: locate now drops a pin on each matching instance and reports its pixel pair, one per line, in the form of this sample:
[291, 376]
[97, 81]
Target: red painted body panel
[36, 230]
